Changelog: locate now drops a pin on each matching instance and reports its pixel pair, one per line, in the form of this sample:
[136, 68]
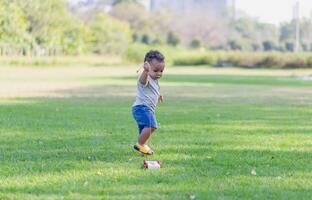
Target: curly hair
[154, 54]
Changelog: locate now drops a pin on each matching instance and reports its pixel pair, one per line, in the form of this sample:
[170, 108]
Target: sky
[274, 11]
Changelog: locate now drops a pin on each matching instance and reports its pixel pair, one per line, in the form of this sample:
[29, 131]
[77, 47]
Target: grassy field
[67, 133]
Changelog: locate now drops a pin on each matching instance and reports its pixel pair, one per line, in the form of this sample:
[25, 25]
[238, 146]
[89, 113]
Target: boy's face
[157, 69]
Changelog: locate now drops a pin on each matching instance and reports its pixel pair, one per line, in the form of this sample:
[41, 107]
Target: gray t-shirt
[147, 94]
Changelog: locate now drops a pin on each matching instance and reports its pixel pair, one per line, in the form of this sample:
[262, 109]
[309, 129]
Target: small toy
[151, 164]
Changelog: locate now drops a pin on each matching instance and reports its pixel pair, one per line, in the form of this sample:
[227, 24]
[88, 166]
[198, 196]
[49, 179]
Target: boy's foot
[143, 149]
[149, 148]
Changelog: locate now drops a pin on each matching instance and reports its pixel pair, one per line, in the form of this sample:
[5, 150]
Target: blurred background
[242, 33]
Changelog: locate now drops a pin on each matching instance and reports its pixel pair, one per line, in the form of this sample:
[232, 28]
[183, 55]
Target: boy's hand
[146, 66]
[160, 99]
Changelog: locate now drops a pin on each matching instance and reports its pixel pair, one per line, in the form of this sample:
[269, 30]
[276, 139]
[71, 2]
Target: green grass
[213, 131]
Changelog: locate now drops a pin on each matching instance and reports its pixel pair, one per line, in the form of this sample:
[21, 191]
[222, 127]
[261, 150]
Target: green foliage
[268, 45]
[287, 31]
[195, 58]
[37, 27]
[173, 39]
[287, 34]
[249, 60]
[248, 34]
[137, 17]
[110, 35]
[289, 46]
[48, 20]
[235, 45]
[48, 61]
[77, 39]
[13, 24]
[195, 43]
[256, 46]
[305, 46]
[47, 27]
[146, 39]
[135, 52]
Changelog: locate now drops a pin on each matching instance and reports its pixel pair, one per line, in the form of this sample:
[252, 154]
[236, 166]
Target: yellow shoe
[143, 149]
[149, 149]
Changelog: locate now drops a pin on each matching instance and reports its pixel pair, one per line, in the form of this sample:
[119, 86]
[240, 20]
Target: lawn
[67, 133]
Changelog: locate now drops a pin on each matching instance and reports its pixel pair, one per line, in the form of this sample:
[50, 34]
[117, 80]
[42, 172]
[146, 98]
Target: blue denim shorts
[144, 117]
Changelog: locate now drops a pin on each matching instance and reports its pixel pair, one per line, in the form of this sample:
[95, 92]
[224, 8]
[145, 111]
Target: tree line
[36, 27]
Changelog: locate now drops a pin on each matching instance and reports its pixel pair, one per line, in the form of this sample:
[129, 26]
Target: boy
[148, 95]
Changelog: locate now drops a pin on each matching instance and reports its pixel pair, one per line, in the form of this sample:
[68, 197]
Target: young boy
[148, 95]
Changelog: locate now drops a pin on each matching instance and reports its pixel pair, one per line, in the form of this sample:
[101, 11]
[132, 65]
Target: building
[180, 6]
[218, 6]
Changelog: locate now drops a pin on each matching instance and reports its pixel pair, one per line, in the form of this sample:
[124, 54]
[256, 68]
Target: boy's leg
[143, 139]
[145, 135]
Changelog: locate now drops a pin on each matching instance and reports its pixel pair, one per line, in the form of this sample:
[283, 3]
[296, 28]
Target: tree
[109, 35]
[146, 39]
[289, 46]
[13, 24]
[155, 26]
[235, 45]
[268, 45]
[135, 16]
[77, 39]
[208, 28]
[14, 37]
[47, 20]
[252, 33]
[173, 39]
[287, 30]
[53, 29]
[195, 43]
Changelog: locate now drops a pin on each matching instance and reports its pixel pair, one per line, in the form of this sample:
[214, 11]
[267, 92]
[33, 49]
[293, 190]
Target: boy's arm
[144, 75]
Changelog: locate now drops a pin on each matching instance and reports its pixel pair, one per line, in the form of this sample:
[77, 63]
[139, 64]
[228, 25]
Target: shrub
[135, 53]
[289, 46]
[295, 61]
[243, 59]
[173, 39]
[195, 43]
[268, 45]
[146, 39]
[195, 59]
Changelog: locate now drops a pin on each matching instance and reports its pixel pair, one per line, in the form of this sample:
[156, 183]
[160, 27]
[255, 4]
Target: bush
[135, 52]
[235, 45]
[146, 39]
[309, 61]
[289, 46]
[195, 59]
[195, 43]
[271, 61]
[295, 61]
[268, 45]
[249, 60]
[173, 39]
